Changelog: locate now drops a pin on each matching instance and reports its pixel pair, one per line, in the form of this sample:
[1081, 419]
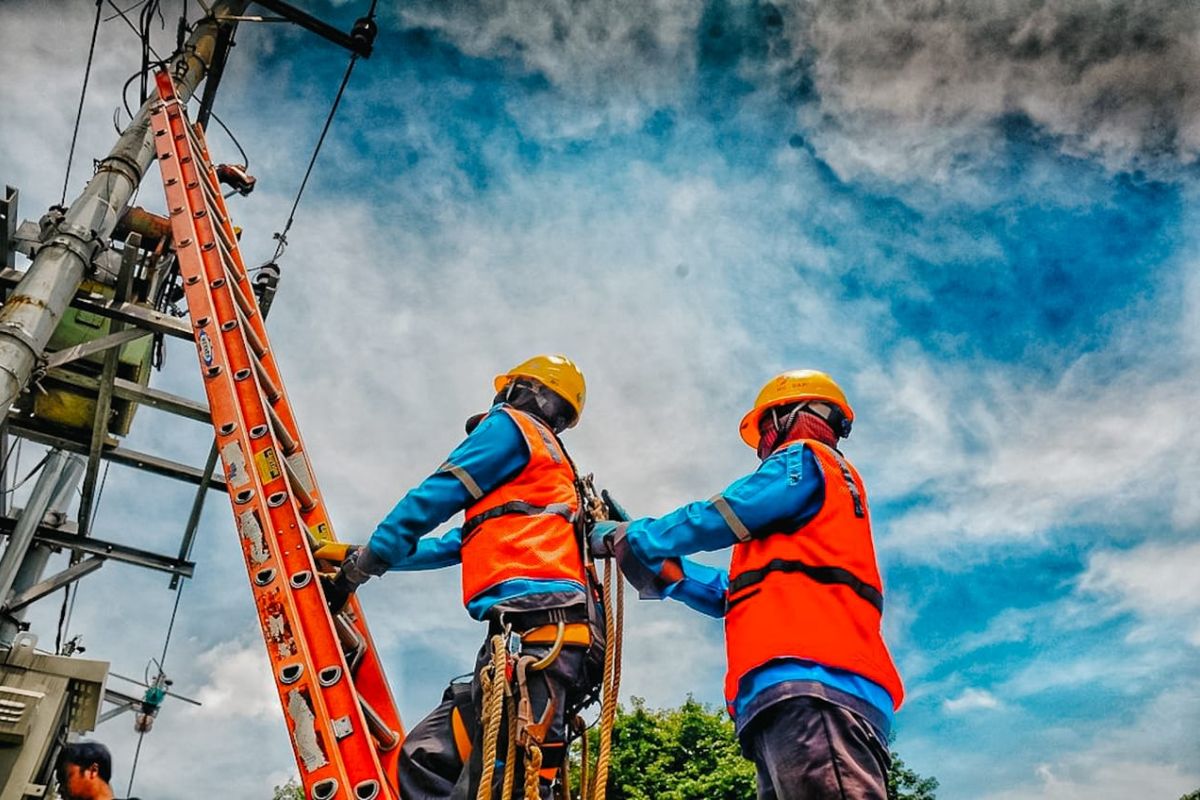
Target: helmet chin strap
[534, 398]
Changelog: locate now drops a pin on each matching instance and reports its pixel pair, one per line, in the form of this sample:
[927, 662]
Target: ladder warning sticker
[320, 531]
[251, 530]
[268, 465]
[235, 465]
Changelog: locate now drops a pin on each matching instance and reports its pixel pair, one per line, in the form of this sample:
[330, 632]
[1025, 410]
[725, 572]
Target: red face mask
[795, 424]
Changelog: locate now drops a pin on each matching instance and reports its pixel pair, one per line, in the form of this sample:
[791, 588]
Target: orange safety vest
[812, 593]
[525, 528]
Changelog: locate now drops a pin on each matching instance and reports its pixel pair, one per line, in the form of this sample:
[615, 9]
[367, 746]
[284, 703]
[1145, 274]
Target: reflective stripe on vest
[812, 593]
[525, 528]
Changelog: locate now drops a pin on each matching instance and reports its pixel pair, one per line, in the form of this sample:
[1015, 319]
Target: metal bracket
[8, 226]
[124, 702]
[67, 536]
[358, 41]
[57, 359]
[52, 584]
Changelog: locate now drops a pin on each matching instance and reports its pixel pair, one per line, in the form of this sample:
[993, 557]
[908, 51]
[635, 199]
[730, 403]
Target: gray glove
[600, 538]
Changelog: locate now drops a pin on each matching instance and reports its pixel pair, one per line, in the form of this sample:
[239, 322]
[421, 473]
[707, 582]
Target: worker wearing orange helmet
[525, 569]
[810, 683]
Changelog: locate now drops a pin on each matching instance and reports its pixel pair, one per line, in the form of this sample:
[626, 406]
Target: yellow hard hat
[792, 387]
[557, 372]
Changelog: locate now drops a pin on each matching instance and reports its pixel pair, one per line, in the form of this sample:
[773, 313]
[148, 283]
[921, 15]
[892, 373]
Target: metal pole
[33, 311]
[39, 502]
[31, 567]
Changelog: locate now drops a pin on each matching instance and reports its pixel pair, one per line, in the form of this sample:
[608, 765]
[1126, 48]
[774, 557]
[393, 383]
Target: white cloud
[889, 89]
[971, 700]
[907, 90]
[625, 54]
[1006, 457]
[1153, 755]
[1157, 581]
[238, 682]
[1117, 780]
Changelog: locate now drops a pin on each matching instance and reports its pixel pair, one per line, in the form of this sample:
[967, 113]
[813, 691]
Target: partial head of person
[84, 770]
[801, 403]
[550, 387]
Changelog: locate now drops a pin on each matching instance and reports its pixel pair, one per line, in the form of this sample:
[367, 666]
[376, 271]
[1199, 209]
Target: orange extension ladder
[344, 726]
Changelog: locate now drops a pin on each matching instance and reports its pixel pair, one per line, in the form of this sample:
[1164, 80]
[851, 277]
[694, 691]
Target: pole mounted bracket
[359, 41]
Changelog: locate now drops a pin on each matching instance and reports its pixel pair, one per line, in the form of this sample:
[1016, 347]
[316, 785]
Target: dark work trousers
[429, 759]
[806, 748]
[430, 763]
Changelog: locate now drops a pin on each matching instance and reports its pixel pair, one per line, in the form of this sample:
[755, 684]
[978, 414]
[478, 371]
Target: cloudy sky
[981, 217]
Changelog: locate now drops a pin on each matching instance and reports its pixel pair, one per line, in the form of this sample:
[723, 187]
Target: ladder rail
[370, 676]
[272, 490]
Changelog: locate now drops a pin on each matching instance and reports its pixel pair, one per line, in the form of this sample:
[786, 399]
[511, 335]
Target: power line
[87, 72]
[282, 235]
[232, 138]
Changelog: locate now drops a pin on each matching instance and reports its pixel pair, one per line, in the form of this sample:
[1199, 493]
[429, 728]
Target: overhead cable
[87, 72]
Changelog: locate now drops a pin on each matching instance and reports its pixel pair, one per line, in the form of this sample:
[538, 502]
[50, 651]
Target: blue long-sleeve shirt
[784, 493]
[491, 455]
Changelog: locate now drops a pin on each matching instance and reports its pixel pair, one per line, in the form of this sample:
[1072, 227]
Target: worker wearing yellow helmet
[524, 568]
[810, 683]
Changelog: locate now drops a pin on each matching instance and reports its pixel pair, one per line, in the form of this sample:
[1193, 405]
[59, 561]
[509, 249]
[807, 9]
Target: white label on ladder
[304, 731]
[235, 465]
[299, 465]
[206, 349]
[251, 530]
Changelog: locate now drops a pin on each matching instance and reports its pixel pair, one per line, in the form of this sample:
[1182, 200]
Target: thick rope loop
[492, 678]
[614, 623]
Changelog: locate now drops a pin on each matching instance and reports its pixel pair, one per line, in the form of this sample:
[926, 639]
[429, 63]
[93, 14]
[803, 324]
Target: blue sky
[980, 218]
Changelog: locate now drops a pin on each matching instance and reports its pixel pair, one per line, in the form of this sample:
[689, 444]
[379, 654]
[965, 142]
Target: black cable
[232, 138]
[281, 237]
[68, 605]
[171, 625]
[28, 475]
[124, 15]
[166, 644]
[121, 13]
[133, 770]
[87, 72]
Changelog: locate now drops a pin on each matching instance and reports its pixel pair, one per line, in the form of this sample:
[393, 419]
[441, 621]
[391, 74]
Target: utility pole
[30, 315]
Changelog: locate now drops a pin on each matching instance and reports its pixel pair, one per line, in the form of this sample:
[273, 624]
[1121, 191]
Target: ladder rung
[269, 389]
[386, 738]
[286, 443]
[353, 644]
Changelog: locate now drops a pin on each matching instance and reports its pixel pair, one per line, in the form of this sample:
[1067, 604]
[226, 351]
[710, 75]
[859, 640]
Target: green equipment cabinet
[63, 405]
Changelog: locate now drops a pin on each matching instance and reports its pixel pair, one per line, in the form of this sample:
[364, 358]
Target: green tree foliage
[1191, 795]
[685, 753]
[905, 784]
[692, 753]
[292, 790]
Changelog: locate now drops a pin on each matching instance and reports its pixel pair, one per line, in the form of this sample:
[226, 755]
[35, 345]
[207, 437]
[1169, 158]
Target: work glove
[600, 538]
[615, 510]
[349, 577]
